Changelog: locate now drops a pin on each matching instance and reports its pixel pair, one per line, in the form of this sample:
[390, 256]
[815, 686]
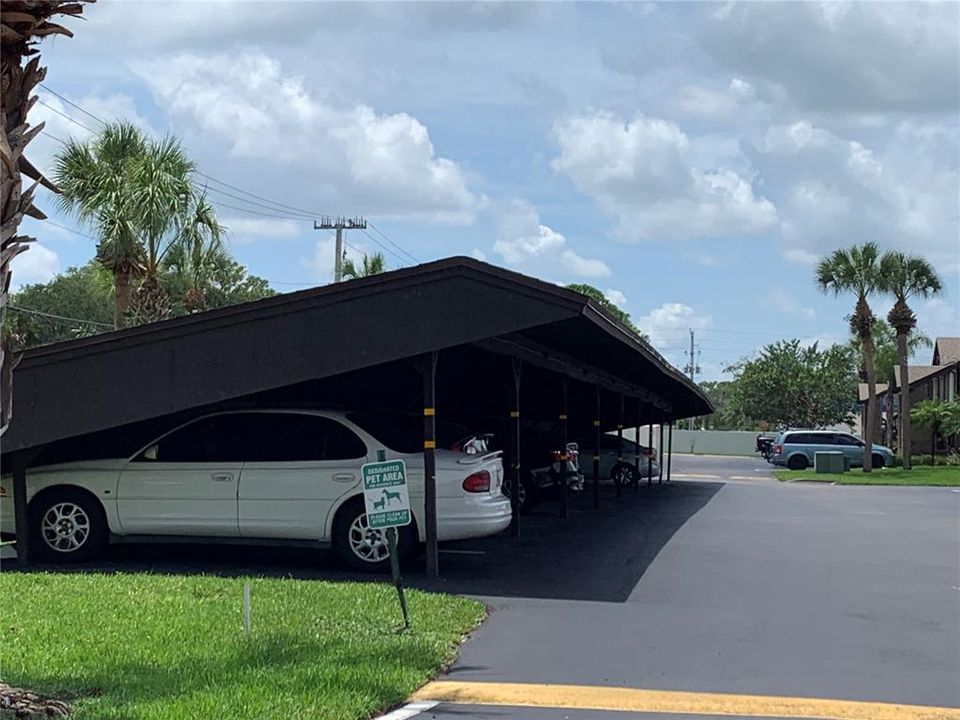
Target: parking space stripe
[592, 697]
[697, 476]
[408, 711]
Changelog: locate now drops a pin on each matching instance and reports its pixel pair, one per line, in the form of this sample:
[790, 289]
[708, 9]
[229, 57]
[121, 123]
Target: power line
[72, 104]
[68, 229]
[40, 313]
[381, 234]
[63, 114]
[271, 203]
[251, 202]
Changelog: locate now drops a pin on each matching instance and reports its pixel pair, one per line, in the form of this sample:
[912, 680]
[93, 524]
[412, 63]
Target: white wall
[702, 442]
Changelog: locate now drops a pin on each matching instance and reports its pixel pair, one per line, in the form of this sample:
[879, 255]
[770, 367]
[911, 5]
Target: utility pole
[692, 368]
[339, 224]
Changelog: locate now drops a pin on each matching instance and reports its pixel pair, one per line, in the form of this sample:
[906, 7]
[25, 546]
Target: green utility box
[830, 462]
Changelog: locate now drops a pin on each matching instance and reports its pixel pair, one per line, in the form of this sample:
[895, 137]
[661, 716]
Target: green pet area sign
[385, 494]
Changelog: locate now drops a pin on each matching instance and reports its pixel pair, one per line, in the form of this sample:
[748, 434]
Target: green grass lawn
[138, 646]
[941, 476]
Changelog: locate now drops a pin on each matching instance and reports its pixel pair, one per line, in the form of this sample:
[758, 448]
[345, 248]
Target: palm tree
[198, 252]
[857, 270]
[372, 265]
[906, 276]
[885, 359]
[164, 202]
[22, 25]
[137, 194]
[95, 181]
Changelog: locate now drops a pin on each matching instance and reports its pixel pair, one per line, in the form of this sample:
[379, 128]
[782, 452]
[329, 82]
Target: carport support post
[660, 448]
[620, 443]
[636, 447]
[517, 366]
[19, 469]
[650, 459]
[565, 484]
[669, 450]
[428, 369]
[596, 453]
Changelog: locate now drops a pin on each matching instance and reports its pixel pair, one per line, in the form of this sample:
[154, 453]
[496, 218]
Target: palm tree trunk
[870, 431]
[888, 430]
[121, 298]
[906, 428]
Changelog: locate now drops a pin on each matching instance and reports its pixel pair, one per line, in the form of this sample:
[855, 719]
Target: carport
[456, 339]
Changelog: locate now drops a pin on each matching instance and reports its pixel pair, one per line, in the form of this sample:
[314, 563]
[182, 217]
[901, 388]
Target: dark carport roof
[82, 386]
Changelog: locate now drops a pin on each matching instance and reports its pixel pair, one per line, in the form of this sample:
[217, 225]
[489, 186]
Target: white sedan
[279, 475]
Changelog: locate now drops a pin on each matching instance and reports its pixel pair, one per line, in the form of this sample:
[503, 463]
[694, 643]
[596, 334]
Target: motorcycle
[765, 445]
[546, 481]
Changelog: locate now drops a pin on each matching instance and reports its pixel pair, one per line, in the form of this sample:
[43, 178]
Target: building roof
[918, 374]
[864, 391]
[945, 350]
[376, 325]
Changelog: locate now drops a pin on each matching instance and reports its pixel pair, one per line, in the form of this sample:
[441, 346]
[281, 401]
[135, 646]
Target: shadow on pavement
[595, 555]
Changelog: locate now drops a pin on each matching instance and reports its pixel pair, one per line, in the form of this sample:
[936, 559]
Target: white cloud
[247, 230]
[801, 256]
[938, 317]
[833, 191]
[616, 297]
[781, 300]
[641, 172]
[526, 243]
[667, 324]
[116, 106]
[717, 104]
[842, 56]
[39, 264]
[385, 164]
[478, 254]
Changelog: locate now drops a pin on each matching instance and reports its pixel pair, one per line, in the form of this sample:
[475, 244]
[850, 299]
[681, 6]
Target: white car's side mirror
[150, 453]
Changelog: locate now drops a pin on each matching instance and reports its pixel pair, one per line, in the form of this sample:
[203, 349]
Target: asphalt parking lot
[722, 581]
[758, 588]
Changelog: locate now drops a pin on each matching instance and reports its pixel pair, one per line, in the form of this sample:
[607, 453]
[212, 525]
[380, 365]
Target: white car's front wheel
[67, 525]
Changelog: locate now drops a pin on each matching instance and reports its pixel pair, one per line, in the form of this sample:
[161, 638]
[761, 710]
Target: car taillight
[777, 449]
[478, 482]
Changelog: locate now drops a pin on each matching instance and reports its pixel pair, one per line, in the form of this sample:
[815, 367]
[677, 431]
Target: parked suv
[796, 448]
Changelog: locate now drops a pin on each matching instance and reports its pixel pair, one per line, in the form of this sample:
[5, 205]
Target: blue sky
[691, 160]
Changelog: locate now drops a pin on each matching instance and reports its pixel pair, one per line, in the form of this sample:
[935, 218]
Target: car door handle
[344, 477]
[221, 477]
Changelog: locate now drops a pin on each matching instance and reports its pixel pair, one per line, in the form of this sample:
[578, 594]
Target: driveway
[754, 588]
[723, 581]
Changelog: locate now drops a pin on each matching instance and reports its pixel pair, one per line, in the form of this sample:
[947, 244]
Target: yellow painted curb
[591, 697]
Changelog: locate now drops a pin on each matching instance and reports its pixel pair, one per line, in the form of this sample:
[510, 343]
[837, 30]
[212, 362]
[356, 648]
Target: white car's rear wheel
[364, 548]
[67, 525]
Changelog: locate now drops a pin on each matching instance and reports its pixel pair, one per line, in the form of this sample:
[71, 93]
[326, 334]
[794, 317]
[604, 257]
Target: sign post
[388, 507]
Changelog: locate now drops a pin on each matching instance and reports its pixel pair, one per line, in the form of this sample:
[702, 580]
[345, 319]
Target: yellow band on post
[429, 412]
[514, 413]
[563, 417]
[596, 423]
[619, 427]
[429, 444]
